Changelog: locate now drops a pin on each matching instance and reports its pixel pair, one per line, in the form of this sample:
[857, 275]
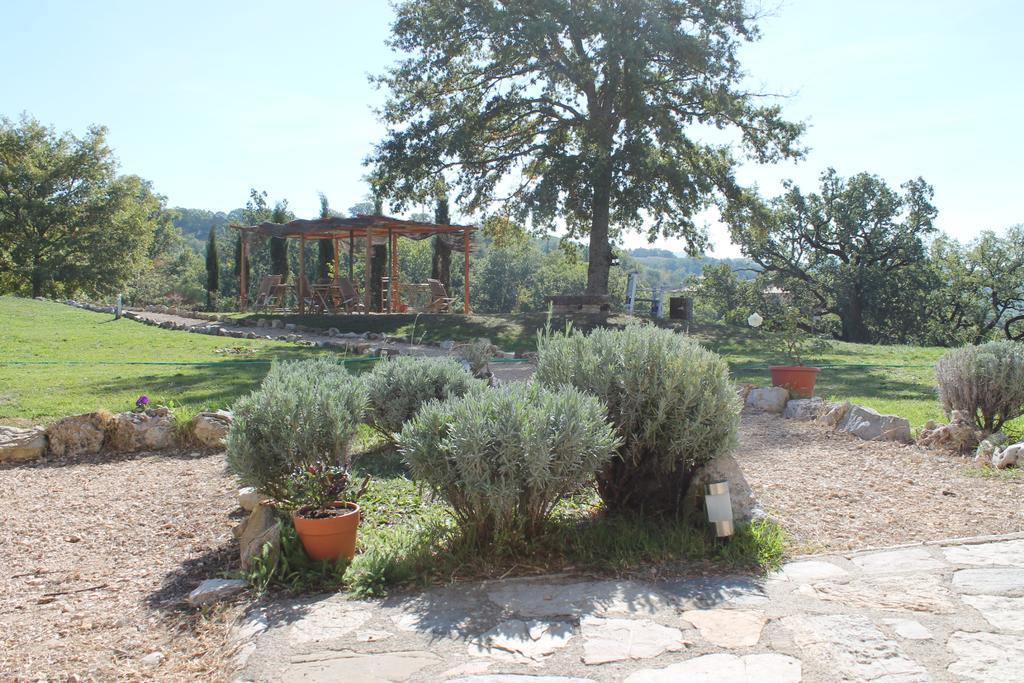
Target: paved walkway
[943, 612]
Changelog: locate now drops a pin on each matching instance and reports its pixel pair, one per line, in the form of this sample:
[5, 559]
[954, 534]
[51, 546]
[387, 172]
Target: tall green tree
[584, 112]
[279, 245]
[325, 248]
[855, 248]
[68, 223]
[441, 258]
[212, 267]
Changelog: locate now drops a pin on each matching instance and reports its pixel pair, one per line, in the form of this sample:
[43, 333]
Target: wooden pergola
[362, 226]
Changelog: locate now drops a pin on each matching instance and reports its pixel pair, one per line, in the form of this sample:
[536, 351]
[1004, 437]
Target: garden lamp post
[719, 507]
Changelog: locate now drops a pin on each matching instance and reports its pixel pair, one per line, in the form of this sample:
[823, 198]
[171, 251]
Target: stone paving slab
[929, 613]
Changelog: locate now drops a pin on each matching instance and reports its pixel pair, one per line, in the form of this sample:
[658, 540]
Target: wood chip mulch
[98, 554]
[834, 492]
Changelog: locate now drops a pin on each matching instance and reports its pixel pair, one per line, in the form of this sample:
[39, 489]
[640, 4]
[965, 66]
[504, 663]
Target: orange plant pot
[799, 379]
[329, 538]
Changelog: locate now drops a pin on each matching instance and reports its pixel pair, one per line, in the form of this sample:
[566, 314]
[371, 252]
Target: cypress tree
[212, 267]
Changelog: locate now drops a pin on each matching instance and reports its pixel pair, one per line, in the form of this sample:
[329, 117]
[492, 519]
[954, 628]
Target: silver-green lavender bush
[986, 382]
[503, 458]
[397, 389]
[672, 401]
[304, 414]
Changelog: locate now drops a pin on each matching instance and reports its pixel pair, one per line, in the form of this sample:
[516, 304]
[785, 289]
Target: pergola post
[465, 272]
[243, 281]
[351, 263]
[368, 279]
[302, 274]
[391, 271]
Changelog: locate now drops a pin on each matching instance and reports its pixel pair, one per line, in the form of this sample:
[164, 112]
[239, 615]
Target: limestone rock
[987, 448]
[729, 628]
[151, 430]
[209, 429]
[17, 445]
[804, 409]
[909, 629]
[613, 640]
[986, 656]
[959, 435]
[522, 641]
[1006, 614]
[725, 668]
[249, 498]
[834, 413]
[259, 529]
[744, 506]
[869, 425]
[78, 434]
[768, 399]
[447, 345]
[1008, 457]
[213, 590]
[276, 324]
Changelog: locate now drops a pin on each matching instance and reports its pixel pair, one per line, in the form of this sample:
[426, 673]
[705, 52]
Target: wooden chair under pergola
[371, 229]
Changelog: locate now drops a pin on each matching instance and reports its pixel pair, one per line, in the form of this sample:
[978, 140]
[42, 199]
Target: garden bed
[99, 553]
[833, 492]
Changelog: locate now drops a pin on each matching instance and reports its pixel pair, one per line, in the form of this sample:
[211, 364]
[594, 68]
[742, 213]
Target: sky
[208, 99]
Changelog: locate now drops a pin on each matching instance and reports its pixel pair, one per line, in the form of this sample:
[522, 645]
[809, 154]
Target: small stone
[1007, 457]
[78, 434]
[803, 409]
[249, 498]
[276, 324]
[869, 425]
[333, 332]
[516, 640]
[211, 428]
[214, 590]
[909, 629]
[152, 659]
[260, 529]
[18, 445]
[447, 345]
[834, 413]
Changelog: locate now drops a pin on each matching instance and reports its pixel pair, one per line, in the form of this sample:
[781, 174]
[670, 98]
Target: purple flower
[142, 402]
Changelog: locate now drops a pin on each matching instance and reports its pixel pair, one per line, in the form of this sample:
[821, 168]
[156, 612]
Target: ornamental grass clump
[671, 400]
[985, 382]
[397, 389]
[296, 428]
[503, 458]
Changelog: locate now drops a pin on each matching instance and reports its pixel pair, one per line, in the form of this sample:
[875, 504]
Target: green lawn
[87, 356]
[88, 352]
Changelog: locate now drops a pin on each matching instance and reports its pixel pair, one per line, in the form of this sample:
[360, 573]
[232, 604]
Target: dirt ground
[831, 491]
[98, 554]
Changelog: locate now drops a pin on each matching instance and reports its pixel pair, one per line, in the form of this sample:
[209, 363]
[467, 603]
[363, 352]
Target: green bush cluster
[671, 400]
[986, 382]
[503, 458]
[397, 389]
[304, 414]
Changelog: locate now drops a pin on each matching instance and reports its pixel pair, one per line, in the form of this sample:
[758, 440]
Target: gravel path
[97, 555]
[833, 492]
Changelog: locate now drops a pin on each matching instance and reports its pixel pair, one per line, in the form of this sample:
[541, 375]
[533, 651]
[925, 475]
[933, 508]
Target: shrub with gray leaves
[305, 413]
[397, 389]
[986, 382]
[672, 401]
[504, 457]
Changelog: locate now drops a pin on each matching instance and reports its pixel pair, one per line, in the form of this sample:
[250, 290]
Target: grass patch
[984, 472]
[406, 537]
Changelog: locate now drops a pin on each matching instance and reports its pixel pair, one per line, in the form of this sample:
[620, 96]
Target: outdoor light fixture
[755, 320]
[719, 507]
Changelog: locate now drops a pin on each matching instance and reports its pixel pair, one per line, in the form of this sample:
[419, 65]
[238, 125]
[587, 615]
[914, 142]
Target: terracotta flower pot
[799, 379]
[329, 538]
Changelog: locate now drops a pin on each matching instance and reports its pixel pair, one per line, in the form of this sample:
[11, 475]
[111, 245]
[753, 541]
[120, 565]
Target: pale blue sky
[209, 99]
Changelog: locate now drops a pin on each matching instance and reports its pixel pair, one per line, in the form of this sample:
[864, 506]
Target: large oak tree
[68, 223]
[587, 114]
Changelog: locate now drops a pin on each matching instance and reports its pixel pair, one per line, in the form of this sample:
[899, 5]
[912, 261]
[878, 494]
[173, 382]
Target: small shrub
[503, 458]
[302, 416]
[986, 382]
[397, 389]
[671, 400]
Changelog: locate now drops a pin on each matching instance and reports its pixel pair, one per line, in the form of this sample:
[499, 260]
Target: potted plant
[325, 518]
[786, 335]
[290, 440]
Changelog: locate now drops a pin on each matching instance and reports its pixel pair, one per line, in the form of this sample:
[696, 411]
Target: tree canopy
[582, 113]
[856, 248]
[68, 223]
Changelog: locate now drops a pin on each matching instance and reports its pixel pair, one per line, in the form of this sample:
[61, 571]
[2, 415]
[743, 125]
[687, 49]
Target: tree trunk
[852, 315]
[600, 249]
[377, 265]
[441, 262]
